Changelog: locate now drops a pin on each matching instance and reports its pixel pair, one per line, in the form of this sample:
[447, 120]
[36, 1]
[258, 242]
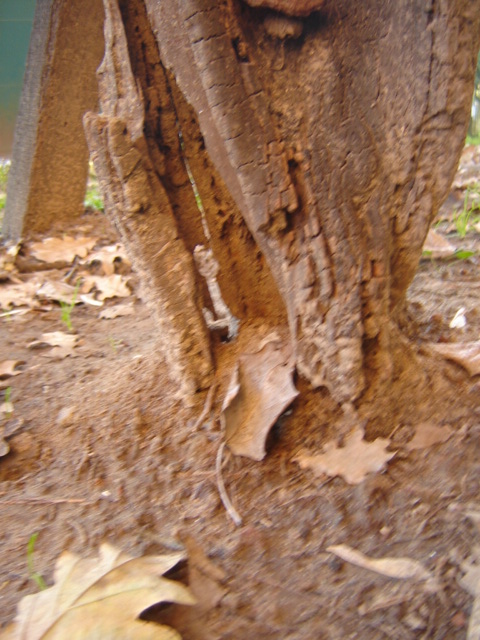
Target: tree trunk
[47, 181]
[309, 152]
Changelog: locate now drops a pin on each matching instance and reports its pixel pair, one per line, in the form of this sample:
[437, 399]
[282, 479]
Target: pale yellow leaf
[62, 249]
[466, 354]
[399, 568]
[101, 598]
[352, 462]
[113, 286]
[6, 407]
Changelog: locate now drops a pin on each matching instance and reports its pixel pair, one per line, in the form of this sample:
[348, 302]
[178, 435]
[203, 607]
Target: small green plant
[67, 308]
[4, 170]
[7, 401]
[34, 575]
[93, 199]
[469, 215]
[114, 343]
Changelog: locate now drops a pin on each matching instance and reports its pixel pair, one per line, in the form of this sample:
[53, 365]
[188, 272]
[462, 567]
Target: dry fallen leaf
[427, 434]
[107, 256]
[259, 393]
[59, 339]
[352, 462]
[117, 311]
[62, 249]
[58, 291]
[113, 286]
[63, 344]
[101, 597]
[8, 368]
[18, 295]
[471, 583]
[466, 354]
[437, 246]
[399, 568]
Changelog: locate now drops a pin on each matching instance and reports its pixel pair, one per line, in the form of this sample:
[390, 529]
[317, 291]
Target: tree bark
[48, 177]
[322, 144]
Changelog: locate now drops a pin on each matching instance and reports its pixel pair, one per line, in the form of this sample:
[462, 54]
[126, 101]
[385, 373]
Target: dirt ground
[101, 449]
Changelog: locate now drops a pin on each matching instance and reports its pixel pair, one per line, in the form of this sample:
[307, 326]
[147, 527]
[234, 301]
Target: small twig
[206, 407]
[230, 509]
[46, 501]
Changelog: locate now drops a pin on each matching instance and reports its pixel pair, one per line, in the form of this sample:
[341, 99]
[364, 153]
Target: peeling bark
[336, 135]
[139, 207]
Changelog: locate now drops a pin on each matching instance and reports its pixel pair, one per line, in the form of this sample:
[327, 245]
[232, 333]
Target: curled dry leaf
[100, 598]
[4, 448]
[260, 390]
[18, 295]
[466, 354]
[427, 434]
[107, 256]
[113, 286]
[352, 462]
[8, 368]
[64, 249]
[399, 568]
[63, 344]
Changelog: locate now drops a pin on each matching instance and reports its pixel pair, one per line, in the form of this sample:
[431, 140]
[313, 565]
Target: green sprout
[7, 400]
[466, 218]
[93, 199]
[34, 575]
[67, 308]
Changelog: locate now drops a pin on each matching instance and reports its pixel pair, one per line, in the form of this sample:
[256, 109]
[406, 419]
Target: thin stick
[230, 509]
[46, 501]
[206, 407]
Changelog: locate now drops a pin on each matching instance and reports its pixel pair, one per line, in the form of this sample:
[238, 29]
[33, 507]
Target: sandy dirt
[102, 449]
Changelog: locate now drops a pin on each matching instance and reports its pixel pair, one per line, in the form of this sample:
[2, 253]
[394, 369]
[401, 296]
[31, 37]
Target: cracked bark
[332, 165]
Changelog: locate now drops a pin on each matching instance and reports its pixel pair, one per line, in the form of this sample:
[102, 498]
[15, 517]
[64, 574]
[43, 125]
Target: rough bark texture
[334, 136]
[50, 158]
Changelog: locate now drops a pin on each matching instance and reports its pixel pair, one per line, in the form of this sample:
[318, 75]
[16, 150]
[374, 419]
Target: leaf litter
[466, 354]
[398, 568]
[427, 434]
[66, 249]
[112, 286]
[470, 581]
[353, 462]
[63, 344]
[101, 598]
[259, 392]
[107, 256]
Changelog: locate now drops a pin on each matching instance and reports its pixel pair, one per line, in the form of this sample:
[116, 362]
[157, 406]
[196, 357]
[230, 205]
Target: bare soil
[104, 450]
